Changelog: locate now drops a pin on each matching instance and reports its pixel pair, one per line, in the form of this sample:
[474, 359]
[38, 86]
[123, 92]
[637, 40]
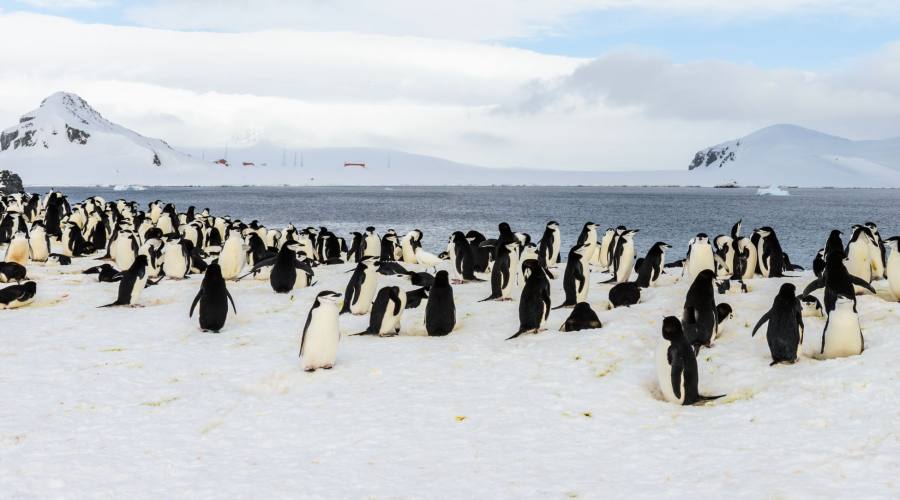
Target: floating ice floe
[772, 191]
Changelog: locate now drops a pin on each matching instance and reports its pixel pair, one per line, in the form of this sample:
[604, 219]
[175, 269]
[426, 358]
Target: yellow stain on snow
[161, 402]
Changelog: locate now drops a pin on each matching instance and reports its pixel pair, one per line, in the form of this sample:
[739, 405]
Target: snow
[796, 156]
[772, 191]
[137, 402]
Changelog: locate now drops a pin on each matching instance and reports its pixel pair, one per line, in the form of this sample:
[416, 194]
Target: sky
[564, 84]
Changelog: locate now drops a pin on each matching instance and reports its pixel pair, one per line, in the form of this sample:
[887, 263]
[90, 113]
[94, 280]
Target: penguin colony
[139, 248]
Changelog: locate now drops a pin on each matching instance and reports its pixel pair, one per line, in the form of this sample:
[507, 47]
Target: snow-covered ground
[138, 403]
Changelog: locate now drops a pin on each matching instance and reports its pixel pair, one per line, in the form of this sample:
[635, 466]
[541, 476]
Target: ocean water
[674, 215]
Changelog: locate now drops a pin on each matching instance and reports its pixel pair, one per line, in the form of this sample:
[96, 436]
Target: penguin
[819, 263]
[356, 248]
[389, 247]
[769, 253]
[576, 279]
[790, 266]
[746, 252]
[39, 241]
[371, 243]
[506, 263]
[836, 280]
[18, 249]
[811, 306]
[534, 303]
[723, 312]
[481, 254]
[623, 257]
[284, 276]
[361, 287]
[581, 318]
[699, 317]
[651, 267]
[699, 256]
[232, 257]
[408, 246]
[834, 243]
[676, 366]
[878, 252]
[605, 248]
[859, 260]
[440, 311]
[11, 271]
[724, 254]
[213, 298]
[106, 273]
[414, 298]
[126, 249]
[422, 279]
[892, 269]
[588, 239]
[132, 284]
[462, 259]
[321, 333]
[392, 268]
[785, 331]
[387, 310]
[842, 335]
[177, 258]
[548, 248]
[624, 294]
[153, 249]
[613, 245]
[16, 296]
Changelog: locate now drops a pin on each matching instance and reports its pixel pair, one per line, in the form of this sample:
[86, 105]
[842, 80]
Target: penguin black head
[787, 290]
[553, 224]
[441, 279]
[671, 329]
[723, 312]
[370, 229]
[893, 242]
[327, 296]
[30, 287]
[662, 246]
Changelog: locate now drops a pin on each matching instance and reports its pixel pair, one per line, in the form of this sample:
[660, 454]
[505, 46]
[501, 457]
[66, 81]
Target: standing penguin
[361, 287]
[39, 241]
[652, 265]
[462, 259]
[769, 253]
[785, 331]
[283, 276]
[387, 310]
[576, 279]
[389, 247]
[877, 252]
[892, 269]
[699, 256]
[18, 249]
[321, 333]
[534, 304]
[505, 269]
[588, 239]
[623, 258]
[700, 316]
[408, 246]
[440, 311]
[836, 280]
[177, 258]
[548, 249]
[819, 263]
[371, 243]
[232, 257]
[842, 335]
[213, 298]
[132, 284]
[859, 259]
[606, 248]
[676, 366]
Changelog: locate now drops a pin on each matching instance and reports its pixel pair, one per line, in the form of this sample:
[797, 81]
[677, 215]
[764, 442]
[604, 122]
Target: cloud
[462, 19]
[66, 4]
[472, 102]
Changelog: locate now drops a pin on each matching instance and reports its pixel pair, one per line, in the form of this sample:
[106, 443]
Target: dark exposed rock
[10, 182]
[77, 136]
[156, 160]
[6, 139]
[26, 141]
[711, 156]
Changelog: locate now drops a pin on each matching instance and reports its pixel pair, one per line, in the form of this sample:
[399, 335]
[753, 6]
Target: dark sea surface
[674, 215]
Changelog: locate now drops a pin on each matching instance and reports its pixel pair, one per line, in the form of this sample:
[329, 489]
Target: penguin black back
[440, 311]
[785, 331]
[213, 298]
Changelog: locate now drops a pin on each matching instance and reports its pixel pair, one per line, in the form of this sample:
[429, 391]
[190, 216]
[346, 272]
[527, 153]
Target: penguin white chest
[664, 373]
[231, 260]
[893, 273]
[858, 262]
[626, 263]
[17, 251]
[701, 259]
[39, 250]
[363, 303]
[372, 247]
[842, 336]
[320, 343]
[174, 264]
[124, 253]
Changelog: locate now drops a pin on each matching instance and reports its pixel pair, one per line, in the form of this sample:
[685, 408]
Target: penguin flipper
[762, 320]
[815, 285]
[231, 299]
[194, 303]
[520, 332]
[861, 282]
[702, 400]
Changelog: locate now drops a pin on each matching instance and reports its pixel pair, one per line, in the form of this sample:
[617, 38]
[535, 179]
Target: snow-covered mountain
[66, 141]
[789, 155]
